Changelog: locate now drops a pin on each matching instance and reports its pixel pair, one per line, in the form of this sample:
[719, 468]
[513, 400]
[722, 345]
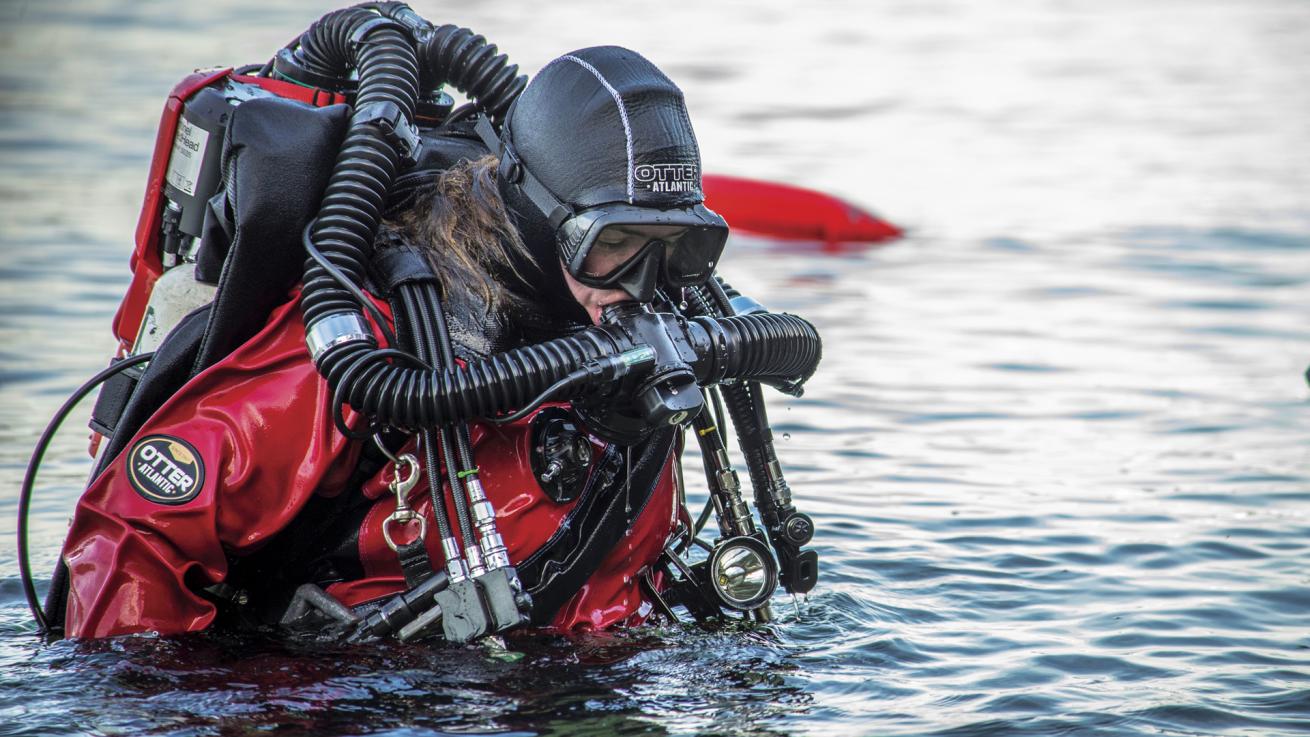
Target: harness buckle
[392, 123]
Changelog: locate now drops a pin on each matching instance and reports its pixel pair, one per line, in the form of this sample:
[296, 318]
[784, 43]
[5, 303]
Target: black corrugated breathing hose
[347, 222]
[749, 416]
[746, 347]
[786, 351]
[463, 59]
[773, 348]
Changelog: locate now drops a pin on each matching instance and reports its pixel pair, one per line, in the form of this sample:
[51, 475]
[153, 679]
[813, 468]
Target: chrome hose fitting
[335, 329]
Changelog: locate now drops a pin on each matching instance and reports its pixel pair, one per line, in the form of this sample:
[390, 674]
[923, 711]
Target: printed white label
[668, 177]
[188, 154]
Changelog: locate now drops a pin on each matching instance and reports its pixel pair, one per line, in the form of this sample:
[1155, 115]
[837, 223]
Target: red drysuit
[235, 455]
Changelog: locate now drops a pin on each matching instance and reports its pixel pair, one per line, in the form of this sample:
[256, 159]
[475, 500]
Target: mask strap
[513, 170]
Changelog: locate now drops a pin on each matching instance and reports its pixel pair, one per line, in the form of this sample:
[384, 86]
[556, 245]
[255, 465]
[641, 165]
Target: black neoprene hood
[603, 125]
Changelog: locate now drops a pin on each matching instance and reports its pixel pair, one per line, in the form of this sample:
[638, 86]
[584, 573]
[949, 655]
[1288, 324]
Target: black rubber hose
[353, 201]
[698, 303]
[711, 443]
[33, 465]
[462, 439]
[448, 54]
[746, 408]
[458, 436]
[777, 349]
[429, 451]
[436, 351]
[722, 290]
[749, 417]
[411, 398]
[381, 51]
[463, 59]
[746, 404]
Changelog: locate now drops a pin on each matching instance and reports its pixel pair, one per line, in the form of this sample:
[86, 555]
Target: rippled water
[1058, 449]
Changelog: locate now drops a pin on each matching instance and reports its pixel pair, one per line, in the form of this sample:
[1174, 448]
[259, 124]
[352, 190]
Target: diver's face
[592, 299]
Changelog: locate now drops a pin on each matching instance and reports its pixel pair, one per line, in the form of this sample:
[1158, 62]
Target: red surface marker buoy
[792, 213]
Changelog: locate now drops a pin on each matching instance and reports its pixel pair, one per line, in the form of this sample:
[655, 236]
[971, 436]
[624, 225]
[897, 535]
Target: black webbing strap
[114, 395]
[513, 170]
[414, 562]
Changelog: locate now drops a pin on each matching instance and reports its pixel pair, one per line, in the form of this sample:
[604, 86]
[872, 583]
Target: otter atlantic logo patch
[667, 177]
[165, 469]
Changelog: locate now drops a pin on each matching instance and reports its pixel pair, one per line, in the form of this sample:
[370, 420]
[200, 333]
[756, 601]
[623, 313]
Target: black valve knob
[561, 454]
[798, 529]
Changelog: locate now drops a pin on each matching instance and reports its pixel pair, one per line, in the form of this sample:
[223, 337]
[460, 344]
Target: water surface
[1057, 450]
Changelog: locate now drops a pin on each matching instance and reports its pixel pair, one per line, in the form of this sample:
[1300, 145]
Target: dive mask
[617, 245]
[635, 248]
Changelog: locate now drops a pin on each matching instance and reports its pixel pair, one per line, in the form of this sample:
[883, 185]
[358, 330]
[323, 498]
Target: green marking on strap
[284, 78]
[465, 474]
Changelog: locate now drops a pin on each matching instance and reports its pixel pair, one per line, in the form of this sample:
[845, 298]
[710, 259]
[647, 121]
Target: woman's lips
[597, 308]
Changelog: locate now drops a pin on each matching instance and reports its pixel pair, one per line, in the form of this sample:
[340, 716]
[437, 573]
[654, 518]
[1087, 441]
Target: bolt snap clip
[404, 513]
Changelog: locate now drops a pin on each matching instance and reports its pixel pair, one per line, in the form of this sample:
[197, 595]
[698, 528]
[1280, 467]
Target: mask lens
[694, 257]
[618, 245]
[614, 246]
[613, 249]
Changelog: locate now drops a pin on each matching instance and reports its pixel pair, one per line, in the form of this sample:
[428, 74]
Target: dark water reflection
[1058, 449]
[627, 683]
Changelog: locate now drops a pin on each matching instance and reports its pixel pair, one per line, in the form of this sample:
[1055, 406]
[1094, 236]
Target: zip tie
[707, 430]
[465, 474]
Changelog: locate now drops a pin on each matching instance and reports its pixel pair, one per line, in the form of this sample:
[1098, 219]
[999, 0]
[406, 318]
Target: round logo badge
[165, 469]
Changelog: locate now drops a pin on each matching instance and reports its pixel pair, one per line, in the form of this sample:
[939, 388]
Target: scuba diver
[392, 368]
